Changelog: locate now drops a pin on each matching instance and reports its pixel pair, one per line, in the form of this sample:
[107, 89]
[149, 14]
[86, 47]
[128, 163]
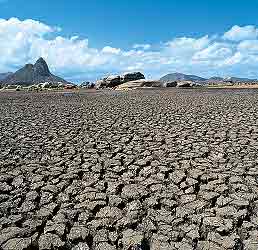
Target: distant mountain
[33, 74]
[216, 78]
[181, 77]
[239, 79]
[4, 75]
[232, 79]
[201, 80]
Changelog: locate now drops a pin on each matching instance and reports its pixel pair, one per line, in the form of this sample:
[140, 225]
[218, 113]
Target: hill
[33, 74]
[181, 77]
[4, 75]
[238, 79]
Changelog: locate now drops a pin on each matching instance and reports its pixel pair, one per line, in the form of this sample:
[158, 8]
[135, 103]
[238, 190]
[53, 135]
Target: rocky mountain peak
[33, 74]
[41, 67]
[28, 65]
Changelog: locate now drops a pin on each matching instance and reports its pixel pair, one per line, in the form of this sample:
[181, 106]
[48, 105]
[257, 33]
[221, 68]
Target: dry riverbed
[153, 169]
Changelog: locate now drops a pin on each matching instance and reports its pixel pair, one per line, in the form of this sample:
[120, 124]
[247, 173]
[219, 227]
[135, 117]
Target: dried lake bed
[141, 169]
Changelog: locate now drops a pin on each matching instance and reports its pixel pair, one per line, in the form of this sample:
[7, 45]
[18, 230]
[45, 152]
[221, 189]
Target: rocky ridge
[181, 77]
[33, 74]
[4, 75]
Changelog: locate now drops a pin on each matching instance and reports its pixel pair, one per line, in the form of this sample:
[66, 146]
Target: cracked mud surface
[145, 169]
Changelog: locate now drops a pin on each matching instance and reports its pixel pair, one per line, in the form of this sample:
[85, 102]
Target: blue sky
[87, 39]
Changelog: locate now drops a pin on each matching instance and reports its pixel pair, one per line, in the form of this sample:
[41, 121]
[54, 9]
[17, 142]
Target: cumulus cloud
[142, 46]
[233, 60]
[23, 41]
[215, 51]
[249, 47]
[111, 50]
[186, 45]
[237, 33]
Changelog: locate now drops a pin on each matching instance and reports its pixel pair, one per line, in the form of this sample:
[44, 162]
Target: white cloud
[215, 51]
[111, 50]
[189, 43]
[233, 60]
[142, 46]
[29, 27]
[235, 52]
[237, 33]
[249, 46]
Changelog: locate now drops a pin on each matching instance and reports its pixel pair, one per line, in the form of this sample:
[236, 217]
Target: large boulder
[112, 81]
[87, 85]
[184, 84]
[100, 84]
[170, 84]
[132, 77]
[116, 80]
[140, 84]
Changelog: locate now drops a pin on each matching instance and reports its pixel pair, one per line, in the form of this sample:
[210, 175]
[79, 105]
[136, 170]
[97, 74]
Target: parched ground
[146, 169]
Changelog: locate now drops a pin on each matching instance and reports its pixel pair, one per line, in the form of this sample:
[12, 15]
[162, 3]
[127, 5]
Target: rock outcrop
[100, 84]
[140, 84]
[113, 81]
[170, 84]
[184, 84]
[33, 74]
[87, 85]
[116, 80]
[132, 77]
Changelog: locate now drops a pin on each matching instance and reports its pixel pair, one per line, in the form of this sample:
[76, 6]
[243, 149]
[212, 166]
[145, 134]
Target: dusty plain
[142, 169]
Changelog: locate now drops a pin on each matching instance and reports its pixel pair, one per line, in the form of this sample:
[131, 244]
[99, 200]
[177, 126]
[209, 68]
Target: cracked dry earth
[146, 169]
